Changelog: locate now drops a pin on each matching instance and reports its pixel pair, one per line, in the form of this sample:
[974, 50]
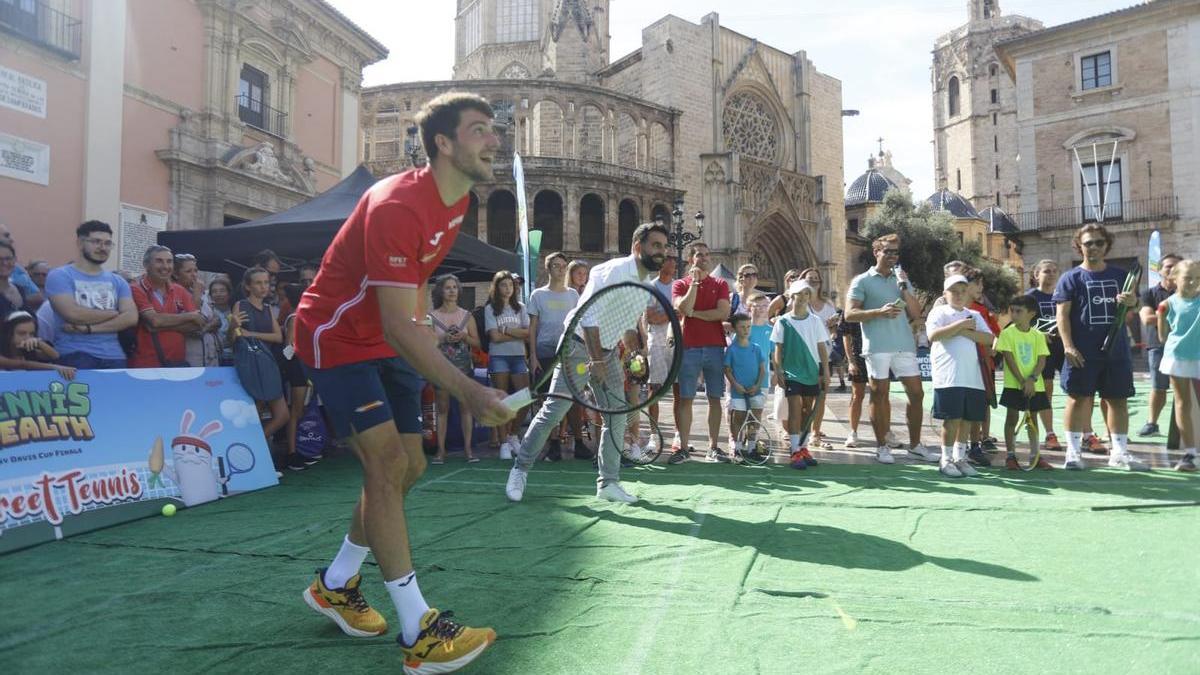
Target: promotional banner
[116, 445]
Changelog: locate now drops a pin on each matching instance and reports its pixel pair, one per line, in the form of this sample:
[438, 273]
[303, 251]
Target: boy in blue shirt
[746, 371]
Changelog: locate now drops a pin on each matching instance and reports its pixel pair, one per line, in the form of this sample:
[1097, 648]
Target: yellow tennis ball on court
[581, 368]
[168, 510]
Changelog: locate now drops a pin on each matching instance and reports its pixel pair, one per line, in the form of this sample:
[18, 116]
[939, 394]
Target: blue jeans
[85, 361]
[707, 360]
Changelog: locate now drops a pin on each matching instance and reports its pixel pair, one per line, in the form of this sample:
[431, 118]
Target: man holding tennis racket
[600, 335]
[357, 335]
[1090, 299]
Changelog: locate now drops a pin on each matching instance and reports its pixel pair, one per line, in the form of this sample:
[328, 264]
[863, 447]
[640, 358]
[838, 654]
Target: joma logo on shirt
[398, 261]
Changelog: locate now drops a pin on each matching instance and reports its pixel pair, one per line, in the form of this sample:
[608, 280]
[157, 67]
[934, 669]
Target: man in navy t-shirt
[1089, 300]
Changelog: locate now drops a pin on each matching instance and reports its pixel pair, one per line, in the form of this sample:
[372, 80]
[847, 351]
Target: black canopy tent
[303, 232]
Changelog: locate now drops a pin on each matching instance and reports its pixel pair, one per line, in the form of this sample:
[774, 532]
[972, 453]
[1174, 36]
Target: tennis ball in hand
[168, 510]
[635, 366]
[581, 368]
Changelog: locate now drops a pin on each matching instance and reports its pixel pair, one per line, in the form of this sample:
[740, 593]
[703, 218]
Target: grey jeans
[553, 410]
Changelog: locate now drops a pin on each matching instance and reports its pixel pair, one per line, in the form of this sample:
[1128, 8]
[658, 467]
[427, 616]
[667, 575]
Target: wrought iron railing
[41, 24]
[261, 116]
[1135, 211]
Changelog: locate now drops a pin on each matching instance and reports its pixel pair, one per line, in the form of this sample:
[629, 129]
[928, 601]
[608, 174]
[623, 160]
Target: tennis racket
[605, 317]
[642, 442]
[755, 443]
[1030, 424]
[239, 458]
[806, 425]
[1132, 279]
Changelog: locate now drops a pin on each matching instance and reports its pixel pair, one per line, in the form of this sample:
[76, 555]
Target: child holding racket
[1181, 353]
[1024, 350]
[801, 366]
[746, 371]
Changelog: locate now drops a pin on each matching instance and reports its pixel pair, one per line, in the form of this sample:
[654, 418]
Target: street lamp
[680, 238]
[412, 147]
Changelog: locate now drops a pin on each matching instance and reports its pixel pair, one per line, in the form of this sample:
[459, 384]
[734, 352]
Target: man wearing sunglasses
[882, 300]
[1089, 299]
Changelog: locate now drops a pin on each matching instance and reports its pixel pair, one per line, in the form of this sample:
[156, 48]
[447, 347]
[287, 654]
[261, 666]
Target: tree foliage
[928, 241]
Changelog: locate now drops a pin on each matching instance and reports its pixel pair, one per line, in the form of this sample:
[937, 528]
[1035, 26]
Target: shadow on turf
[801, 542]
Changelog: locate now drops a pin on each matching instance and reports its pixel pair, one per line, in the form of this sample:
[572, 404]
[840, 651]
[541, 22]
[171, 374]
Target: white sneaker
[949, 468]
[515, 489]
[884, 455]
[634, 452]
[891, 440]
[852, 440]
[613, 492]
[965, 468]
[1073, 462]
[1127, 461]
[652, 444]
[506, 450]
[924, 452]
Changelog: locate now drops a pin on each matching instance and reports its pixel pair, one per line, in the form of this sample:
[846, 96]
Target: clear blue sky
[879, 49]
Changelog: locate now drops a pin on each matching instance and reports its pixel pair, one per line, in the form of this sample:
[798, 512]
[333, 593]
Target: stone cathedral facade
[746, 133]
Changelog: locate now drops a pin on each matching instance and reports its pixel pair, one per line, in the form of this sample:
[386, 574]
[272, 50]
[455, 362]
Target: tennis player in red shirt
[363, 346]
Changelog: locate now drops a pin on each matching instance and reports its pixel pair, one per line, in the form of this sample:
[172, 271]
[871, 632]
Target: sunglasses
[891, 251]
[747, 274]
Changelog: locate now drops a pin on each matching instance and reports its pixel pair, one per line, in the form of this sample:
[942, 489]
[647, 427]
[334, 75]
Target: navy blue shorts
[1111, 378]
[358, 396]
[960, 403]
[1016, 399]
[796, 388]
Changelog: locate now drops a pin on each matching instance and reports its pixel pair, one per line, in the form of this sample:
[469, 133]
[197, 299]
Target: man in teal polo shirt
[882, 300]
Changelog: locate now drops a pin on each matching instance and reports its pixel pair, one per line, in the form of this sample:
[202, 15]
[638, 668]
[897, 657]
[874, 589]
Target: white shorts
[738, 402]
[1179, 367]
[903, 364]
[658, 350]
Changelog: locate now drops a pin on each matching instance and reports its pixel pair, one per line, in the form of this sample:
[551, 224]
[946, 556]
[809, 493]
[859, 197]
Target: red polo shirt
[698, 332]
[177, 300]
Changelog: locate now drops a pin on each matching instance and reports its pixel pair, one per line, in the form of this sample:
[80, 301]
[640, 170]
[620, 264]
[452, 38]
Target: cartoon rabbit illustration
[192, 462]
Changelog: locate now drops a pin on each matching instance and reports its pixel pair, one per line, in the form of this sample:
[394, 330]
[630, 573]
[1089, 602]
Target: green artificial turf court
[720, 569]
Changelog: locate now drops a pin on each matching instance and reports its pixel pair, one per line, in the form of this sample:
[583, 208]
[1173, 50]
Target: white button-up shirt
[619, 317]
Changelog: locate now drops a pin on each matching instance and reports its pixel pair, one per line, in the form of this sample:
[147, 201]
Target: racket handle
[518, 399]
[221, 470]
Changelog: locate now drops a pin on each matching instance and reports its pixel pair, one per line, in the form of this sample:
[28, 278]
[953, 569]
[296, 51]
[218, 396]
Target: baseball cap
[799, 285]
[953, 279]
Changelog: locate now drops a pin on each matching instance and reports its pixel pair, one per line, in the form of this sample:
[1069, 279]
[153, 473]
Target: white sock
[1074, 442]
[947, 453]
[960, 451]
[1120, 444]
[410, 605]
[347, 563]
[795, 438]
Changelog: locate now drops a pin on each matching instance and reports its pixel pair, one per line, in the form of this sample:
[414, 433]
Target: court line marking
[641, 649]
[1168, 480]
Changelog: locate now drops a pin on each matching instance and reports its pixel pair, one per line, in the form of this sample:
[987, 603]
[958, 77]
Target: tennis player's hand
[1127, 298]
[1028, 388]
[888, 311]
[487, 405]
[1074, 357]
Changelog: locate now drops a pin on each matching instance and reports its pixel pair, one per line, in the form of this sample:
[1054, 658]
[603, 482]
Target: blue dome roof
[998, 220]
[868, 188]
[952, 203]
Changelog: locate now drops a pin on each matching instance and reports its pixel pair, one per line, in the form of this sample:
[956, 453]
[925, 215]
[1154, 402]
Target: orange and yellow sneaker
[1051, 443]
[345, 606]
[1094, 445]
[443, 645]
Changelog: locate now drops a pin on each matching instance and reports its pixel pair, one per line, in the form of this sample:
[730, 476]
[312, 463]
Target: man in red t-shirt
[359, 334]
[703, 301]
[166, 312]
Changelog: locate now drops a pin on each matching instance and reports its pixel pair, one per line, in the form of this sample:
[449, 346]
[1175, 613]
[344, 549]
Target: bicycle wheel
[755, 442]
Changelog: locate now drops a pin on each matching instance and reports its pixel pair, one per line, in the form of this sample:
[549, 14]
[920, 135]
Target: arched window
[548, 217]
[502, 220]
[993, 70]
[660, 212]
[627, 222]
[591, 223]
[952, 96]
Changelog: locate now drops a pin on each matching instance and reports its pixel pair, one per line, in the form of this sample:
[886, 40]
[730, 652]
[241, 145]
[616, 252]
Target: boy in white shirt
[801, 365]
[958, 392]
